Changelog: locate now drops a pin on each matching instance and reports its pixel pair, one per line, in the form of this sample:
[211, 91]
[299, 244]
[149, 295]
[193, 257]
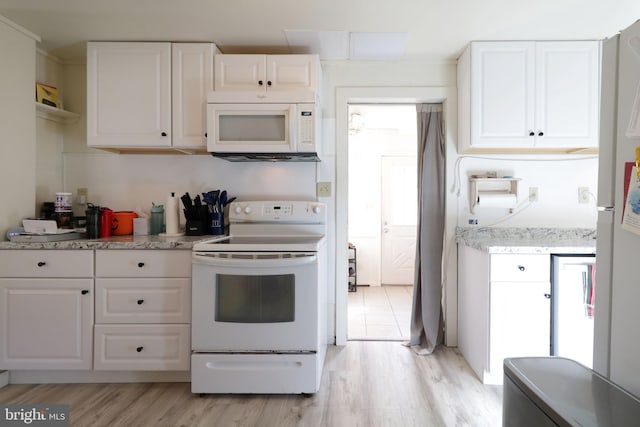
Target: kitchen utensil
[122, 223]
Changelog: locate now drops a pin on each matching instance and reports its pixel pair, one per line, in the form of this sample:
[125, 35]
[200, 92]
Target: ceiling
[435, 29]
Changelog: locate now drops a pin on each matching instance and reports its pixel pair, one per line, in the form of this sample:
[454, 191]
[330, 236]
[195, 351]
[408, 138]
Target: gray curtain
[427, 325]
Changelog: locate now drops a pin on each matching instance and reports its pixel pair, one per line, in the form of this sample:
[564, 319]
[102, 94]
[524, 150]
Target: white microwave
[263, 131]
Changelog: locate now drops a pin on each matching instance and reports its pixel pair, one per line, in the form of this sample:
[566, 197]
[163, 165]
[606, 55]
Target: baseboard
[4, 378]
[63, 377]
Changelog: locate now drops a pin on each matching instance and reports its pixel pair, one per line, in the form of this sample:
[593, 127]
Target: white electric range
[259, 312]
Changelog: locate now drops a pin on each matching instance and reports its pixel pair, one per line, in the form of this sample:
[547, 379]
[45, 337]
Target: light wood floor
[365, 383]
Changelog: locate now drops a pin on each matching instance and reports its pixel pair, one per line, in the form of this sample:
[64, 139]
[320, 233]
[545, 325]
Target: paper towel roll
[171, 215]
[497, 200]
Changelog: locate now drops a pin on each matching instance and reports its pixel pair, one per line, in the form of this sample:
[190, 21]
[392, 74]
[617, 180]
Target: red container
[122, 223]
[106, 220]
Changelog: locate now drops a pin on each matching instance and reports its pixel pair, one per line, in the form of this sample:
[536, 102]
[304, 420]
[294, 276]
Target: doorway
[382, 206]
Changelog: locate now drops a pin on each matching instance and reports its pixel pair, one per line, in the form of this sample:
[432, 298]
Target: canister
[157, 219]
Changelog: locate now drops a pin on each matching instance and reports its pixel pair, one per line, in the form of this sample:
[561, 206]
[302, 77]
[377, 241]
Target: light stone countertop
[528, 240]
[116, 242]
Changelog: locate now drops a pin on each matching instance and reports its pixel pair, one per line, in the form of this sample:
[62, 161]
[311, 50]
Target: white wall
[557, 179]
[17, 125]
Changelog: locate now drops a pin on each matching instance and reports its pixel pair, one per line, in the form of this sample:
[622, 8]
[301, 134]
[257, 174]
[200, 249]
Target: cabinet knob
[84, 291]
[268, 82]
[163, 134]
[139, 349]
[521, 267]
[140, 301]
[42, 264]
[260, 83]
[205, 134]
[532, 133]
[540, 133]
[547, 296]
[141, 264]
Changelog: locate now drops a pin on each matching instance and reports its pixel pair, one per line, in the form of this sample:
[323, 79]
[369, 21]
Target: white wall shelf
[54, 114]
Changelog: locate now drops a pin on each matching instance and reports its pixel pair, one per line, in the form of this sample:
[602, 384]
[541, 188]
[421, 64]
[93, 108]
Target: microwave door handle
[295, 260]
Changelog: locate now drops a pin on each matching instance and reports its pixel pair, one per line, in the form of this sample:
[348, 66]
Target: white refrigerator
[617, 316]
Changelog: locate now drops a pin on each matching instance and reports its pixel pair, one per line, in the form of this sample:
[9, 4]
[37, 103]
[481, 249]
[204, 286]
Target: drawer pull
[139, 349]
[84, 291]
[141, 264]
[42, 264]
[521, 267]
[140, 301]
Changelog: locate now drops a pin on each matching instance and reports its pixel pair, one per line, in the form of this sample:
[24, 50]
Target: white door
[192, 79]
[502, 98]
[46, 323]
[399, 219]
[567, 92]
[240, 72]
[128, 94]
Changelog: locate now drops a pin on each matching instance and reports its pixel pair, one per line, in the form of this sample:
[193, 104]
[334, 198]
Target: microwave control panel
[306, 126]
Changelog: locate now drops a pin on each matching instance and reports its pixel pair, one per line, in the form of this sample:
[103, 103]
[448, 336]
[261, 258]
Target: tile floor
[379, 313]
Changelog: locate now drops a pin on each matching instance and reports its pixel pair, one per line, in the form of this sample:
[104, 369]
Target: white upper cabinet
[148, 95]
[129, 94]
[529, 95]
[191, 80]
[266, 73]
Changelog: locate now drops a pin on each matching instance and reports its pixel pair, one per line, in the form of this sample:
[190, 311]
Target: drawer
[141, 348]
[143, 263]
[143, 300]
[520, 268]
[46, 263]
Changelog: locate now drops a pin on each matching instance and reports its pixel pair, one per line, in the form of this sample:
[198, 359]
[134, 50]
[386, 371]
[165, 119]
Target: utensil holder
[216, 221]
[194, 227]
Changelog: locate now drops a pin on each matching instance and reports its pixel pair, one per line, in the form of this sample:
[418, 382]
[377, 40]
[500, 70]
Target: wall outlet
[83, 195]
[323, 189]
[583, 194]
[533, 194]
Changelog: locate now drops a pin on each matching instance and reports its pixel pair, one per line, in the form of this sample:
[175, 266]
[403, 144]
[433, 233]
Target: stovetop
[261, 243]
[270, 226]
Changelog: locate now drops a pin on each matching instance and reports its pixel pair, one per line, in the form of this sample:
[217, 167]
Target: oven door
[254, 302]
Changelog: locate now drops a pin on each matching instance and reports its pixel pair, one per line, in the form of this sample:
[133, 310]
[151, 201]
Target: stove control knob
[315, 209]
[237, 209]
[247, 210]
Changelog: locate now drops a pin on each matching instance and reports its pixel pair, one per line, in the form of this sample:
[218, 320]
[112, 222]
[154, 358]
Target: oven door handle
[293, 261]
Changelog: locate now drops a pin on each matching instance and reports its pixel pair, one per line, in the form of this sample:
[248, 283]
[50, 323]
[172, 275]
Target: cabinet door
[520, 321]
[502, 94]
[240, 73]
[567, 94]
[46, 323]
[192, 79]
[129, 95]
[291, 72]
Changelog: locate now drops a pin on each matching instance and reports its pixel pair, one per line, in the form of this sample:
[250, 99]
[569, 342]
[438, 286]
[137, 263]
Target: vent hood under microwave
[250, 127]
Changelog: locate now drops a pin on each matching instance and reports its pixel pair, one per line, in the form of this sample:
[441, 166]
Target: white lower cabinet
[46, 309]
[143, 310]
[503, 309]
[142, 347]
